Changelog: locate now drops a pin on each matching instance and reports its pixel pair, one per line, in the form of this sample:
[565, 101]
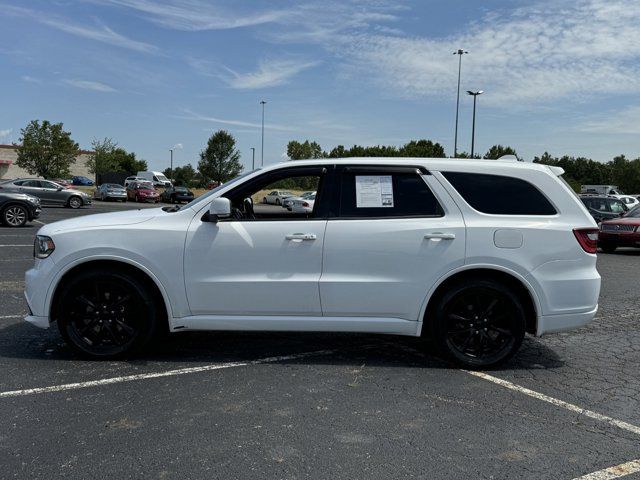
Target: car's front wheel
[15, 216]
[478, 323]
[75, 202]
[106, 314]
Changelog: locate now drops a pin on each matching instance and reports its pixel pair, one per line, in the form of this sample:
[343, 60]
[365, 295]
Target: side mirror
[219, 208]
[60, 189]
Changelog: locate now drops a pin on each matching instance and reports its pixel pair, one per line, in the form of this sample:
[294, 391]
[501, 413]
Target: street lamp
[458, 52]
[473, 128]
[262, 102]
[253, 158]
[171, 166]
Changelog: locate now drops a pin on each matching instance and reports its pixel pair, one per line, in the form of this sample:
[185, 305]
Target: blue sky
[562, 76]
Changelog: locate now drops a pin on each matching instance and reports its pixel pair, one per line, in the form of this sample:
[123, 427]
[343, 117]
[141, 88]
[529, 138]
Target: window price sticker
[374, 191]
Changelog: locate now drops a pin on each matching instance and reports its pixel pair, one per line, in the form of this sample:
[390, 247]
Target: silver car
[49, 193]
[111, 191]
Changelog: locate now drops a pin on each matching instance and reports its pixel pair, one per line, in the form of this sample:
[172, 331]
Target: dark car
[142, 192]
[16, 209]
[176, 194]
[603, 207]
[49, 193]
[80, 180]
[620, 232]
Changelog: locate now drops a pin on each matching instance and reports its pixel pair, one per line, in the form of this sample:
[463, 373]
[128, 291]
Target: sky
[559, 76]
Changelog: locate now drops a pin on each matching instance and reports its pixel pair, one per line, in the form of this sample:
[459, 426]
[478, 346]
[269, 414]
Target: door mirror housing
[219, 208]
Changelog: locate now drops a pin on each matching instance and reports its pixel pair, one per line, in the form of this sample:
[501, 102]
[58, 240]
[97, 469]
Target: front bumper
[631, 239]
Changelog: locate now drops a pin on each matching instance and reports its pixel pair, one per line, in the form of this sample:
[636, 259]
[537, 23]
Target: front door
[395, 233]
[265, 260]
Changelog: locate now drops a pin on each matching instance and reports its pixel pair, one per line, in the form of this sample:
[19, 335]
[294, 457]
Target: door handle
[440, 236]
[301, 236]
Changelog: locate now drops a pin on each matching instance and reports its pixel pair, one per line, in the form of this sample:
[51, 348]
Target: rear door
[49, 193]
[393, 232]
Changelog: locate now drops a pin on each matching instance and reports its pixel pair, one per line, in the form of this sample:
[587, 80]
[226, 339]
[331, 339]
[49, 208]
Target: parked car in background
[304, 205]
[132, 179]
[157, 178]
[48, 192]
[289, 201]
[603, 207]
[176, 194]
[629, 200]
[142, 192]
[84, 181]
[63, 182]
[620, 232]
[276, 197]
[213, 184]
[111, 191]
[16, 209]
[601, 190]
[470, 254]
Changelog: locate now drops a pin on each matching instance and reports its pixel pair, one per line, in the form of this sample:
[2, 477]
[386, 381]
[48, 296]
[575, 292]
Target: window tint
[32, 183]
[617, 206]
[500, 195]
[409, 195]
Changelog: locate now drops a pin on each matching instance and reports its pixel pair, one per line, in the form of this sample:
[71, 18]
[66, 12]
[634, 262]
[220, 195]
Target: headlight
[43, 246]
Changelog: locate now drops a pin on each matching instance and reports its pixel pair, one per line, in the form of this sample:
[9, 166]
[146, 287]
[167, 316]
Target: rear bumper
[561, 323]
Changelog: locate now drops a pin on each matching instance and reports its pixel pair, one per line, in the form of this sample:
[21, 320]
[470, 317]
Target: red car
[142, 192]
[620, 232]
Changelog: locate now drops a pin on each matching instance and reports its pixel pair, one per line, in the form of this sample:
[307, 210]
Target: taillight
[587, 238]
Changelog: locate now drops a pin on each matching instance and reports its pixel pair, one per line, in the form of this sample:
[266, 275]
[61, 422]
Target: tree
[498, 151]
[422, 148]
[301, 151]
[220, 161]
[108, 157]
[46, 149]
[182, 176]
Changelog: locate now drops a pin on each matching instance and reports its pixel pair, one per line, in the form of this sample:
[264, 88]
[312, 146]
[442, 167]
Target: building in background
[9, 155]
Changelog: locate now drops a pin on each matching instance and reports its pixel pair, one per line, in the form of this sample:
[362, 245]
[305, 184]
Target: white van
[158, 178]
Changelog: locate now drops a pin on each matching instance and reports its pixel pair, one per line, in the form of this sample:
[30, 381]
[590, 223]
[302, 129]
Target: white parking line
[26, 245]
[38, 221]
[2, 317]
[558, 403]
[167, 373]
[613, 472]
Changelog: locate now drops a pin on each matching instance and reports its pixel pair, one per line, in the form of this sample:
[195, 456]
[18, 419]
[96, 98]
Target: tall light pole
[171, 166]
[473, 128]
[262, 102]
[458, 52]
[253, 158]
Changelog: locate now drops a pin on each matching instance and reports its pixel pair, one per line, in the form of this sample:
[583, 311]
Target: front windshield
[633, 213]
[203, 198]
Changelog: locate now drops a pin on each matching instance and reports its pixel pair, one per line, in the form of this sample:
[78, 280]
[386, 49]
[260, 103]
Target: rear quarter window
[500, 195]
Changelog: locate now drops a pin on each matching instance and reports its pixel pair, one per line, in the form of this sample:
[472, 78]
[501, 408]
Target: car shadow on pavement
[24, 341]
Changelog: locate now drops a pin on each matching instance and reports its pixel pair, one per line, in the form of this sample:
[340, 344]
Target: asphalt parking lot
[253, 405]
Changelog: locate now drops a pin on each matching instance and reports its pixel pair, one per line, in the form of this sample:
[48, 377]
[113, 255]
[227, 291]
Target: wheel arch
[511, 279]
[135, 269]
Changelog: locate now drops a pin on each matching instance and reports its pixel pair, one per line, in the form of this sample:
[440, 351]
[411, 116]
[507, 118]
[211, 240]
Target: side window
[382, 194]
[249, 201]
[500, 195]
[31, 183]
[617, 206]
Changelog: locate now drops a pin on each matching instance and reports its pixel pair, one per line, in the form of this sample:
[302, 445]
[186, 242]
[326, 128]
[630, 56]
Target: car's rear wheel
[277, 201]
[608, 247]
[264, 200]
[479, 323]
[75, 202]
[106, 314]
[15, 216]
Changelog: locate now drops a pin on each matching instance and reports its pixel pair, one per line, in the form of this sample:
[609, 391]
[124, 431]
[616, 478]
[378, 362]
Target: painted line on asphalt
[558, 403]
[26, 245]
[166, 373]
[613, 472]
[38, 221]
[3, 317]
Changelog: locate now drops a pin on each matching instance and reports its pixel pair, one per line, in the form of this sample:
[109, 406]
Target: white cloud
[534, 54]
[190, 115]
[194, 15]
[269, 74]
[98, 32]
[29, 79]
[621, 122]
[6, 133]
[89, 85]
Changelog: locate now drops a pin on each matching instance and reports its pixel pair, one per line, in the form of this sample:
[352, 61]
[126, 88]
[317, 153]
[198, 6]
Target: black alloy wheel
[479, 324]
[106, 314]
[15, 216]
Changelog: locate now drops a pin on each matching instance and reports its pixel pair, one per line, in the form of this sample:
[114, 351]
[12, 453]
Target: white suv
[469, 253]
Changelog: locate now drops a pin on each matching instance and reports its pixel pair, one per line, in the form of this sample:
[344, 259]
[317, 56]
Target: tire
[74, 202]
[106, 313]
[15, 216]
[277, 201]
[478, 323]
[137, 199]
[608, 248]
[264, 200]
